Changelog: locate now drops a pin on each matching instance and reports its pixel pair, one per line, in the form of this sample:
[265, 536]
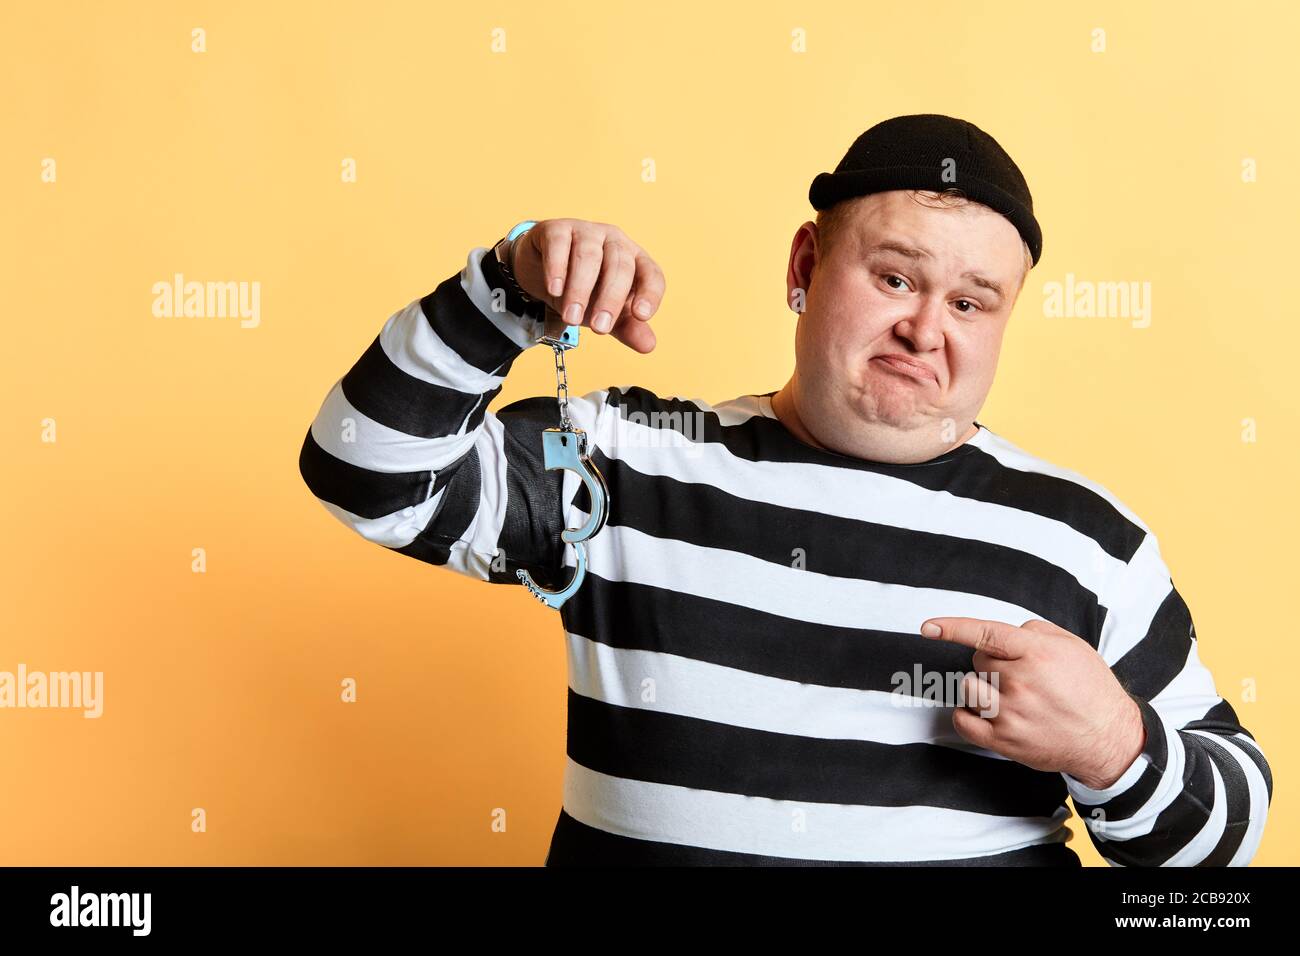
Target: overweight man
[839, 623]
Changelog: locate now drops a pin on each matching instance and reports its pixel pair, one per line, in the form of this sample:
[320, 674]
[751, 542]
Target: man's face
[934, 308]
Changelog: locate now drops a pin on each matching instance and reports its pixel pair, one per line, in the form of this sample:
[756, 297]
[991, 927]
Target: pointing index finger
[995, 638]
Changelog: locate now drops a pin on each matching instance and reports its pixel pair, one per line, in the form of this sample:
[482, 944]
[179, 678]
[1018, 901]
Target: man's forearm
[393, 431]
[1197, 795]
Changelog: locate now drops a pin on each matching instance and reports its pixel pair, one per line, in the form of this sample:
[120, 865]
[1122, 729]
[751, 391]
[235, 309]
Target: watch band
[498, 276]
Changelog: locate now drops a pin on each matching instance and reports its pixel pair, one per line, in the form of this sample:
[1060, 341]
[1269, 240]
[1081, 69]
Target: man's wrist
[1133, 740]
[505, 254]
[496, 270]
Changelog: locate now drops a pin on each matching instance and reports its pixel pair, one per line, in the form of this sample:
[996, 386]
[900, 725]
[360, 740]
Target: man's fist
[591, 274]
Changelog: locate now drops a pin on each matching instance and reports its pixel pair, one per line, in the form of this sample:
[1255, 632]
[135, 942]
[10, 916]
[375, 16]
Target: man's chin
[885, 414]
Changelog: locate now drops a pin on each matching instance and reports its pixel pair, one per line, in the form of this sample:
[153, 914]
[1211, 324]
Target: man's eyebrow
[889, 245]
[986, 282]
[916, 253]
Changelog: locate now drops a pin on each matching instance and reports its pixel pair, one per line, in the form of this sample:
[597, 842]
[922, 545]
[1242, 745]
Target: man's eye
[898, 277]
[970, 303]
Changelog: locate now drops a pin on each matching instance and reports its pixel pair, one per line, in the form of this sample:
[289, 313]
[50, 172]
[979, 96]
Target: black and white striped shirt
[743, 651]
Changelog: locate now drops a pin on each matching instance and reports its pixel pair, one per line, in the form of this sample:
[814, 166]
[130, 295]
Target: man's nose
[923, 325]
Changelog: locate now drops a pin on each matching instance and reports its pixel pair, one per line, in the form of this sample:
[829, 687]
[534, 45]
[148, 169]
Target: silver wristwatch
[504, 259]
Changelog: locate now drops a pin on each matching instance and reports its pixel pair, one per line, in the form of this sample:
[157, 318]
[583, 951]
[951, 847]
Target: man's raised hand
[592, 274]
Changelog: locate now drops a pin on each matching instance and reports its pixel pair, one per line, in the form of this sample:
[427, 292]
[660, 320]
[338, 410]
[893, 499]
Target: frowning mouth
[904, 366]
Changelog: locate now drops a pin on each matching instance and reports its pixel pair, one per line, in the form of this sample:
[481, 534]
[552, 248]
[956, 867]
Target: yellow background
[222, 689]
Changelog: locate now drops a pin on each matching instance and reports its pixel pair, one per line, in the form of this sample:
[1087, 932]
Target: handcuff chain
[562, 387]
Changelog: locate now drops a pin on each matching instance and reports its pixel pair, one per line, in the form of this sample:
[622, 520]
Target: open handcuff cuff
[564, 447]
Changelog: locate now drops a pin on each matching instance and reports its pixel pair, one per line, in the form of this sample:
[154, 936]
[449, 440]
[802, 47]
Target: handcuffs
[564, 447]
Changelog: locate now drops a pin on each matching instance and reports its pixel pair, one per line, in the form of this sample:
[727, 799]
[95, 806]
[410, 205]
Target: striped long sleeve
[1198, 793]
[404, 452]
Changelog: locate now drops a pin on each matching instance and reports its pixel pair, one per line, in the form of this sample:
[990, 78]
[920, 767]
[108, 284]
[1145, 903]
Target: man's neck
[784, 408]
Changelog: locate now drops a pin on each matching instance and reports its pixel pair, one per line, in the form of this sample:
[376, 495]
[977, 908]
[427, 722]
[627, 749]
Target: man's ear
[804, 251]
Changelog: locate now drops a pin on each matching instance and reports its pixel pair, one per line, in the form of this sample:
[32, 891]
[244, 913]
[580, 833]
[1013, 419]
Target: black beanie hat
[914, 152]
